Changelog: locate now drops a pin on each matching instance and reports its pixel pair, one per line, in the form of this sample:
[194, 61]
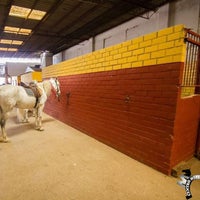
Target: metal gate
[191, 75]
[197, 147]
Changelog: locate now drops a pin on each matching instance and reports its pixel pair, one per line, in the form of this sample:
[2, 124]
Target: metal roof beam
[148, 6]
[8, 6]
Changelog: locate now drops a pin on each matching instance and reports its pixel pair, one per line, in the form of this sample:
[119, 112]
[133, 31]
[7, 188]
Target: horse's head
[56, 86]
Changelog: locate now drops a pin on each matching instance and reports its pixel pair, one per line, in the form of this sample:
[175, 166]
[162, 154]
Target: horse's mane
[47, 87]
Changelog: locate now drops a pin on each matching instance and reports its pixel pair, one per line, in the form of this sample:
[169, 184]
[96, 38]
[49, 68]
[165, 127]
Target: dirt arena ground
[62, 163]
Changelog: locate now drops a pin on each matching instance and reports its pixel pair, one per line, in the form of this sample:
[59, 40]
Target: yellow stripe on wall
[28, 77]
[37, 76]
[164, 46]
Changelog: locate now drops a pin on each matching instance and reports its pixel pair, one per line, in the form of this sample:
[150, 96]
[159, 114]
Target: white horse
[16, 97]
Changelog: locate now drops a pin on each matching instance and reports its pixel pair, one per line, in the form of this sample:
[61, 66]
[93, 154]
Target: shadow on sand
[14, 127]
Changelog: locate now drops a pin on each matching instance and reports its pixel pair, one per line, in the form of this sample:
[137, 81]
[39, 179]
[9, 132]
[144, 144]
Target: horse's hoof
[6, 140]
[2, 140]
[25, 121]
[39, 128]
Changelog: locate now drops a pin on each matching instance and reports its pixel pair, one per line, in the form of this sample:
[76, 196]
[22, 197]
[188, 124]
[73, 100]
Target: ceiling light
[26, 13]
[15, 42]
[5, 41]
[19, 11]
[36, 14]
[22, 31]
[12, 49]
[3, 49]
[8, 49]
[10, 29]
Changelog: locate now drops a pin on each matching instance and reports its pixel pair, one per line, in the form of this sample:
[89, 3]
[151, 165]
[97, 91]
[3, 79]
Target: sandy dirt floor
[62, 163]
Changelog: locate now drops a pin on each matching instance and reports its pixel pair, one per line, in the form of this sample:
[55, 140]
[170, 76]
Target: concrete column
[46, 59]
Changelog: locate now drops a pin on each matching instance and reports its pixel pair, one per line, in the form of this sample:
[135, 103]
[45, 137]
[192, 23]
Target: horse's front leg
[38, 119]
[22, 115]
[3, 124]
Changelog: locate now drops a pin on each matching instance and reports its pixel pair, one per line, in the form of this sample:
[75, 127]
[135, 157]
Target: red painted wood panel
[185, 129]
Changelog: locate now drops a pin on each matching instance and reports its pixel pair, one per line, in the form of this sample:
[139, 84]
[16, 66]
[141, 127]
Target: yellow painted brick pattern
[28, 77]
[37, 76]
[164, 46]
[187, 91]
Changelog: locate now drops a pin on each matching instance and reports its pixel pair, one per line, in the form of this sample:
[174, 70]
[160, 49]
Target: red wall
[132, 110]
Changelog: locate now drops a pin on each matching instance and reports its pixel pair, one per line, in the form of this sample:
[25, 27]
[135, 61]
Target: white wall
[185, 12]
[136, 27]
[58, 58]
[179, 12]
[77, 50]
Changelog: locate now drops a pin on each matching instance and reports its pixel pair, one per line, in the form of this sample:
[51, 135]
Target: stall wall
[126, 95]
[28, 77]
[185, 129]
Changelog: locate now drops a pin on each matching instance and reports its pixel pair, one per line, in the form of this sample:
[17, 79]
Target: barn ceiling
[62, 23]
